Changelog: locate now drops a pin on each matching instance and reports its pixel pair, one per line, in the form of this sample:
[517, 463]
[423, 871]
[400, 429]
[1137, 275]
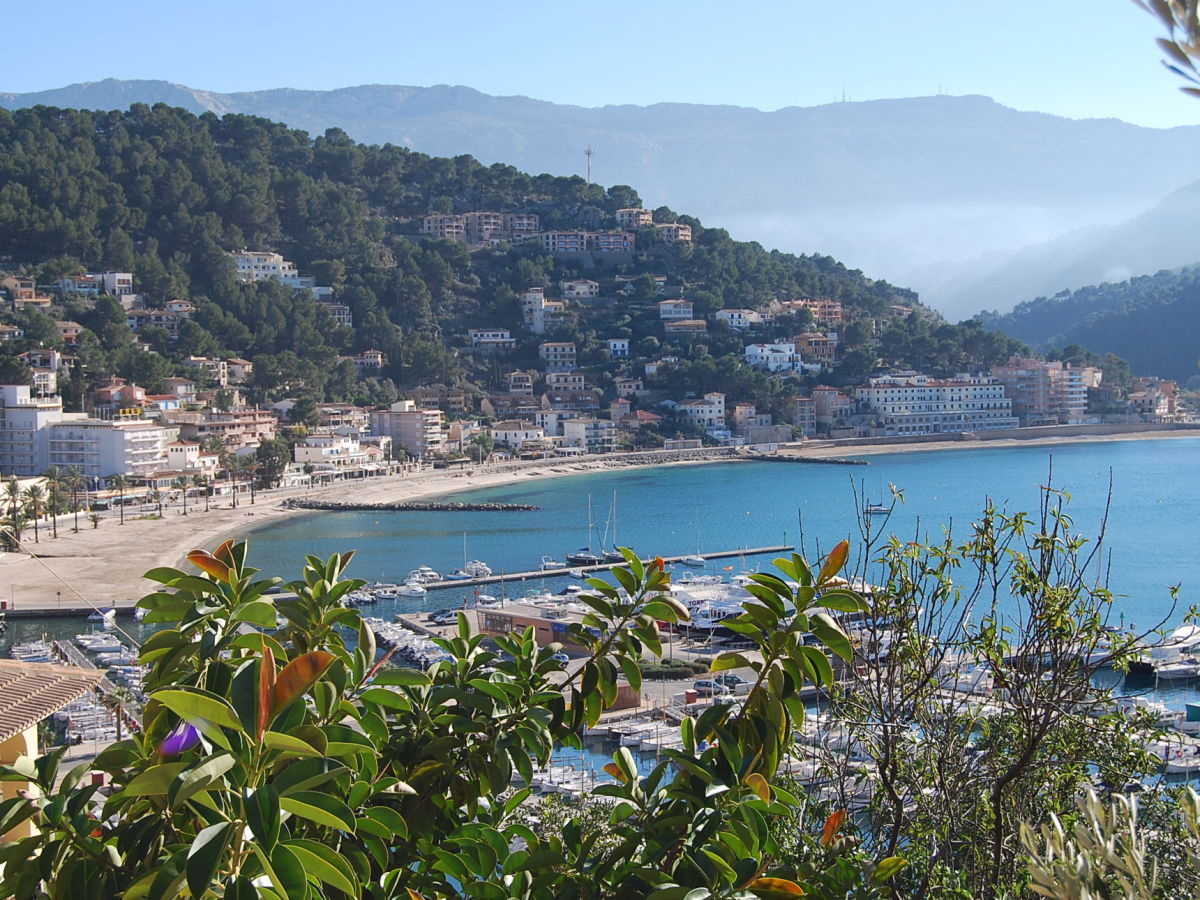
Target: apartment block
[1047, 393]
[558, 356]
[704, 413]
[634, 218]
[492, 340]
[420, 431]
[910, 403]
[740, 319]
[675, 309]
[594, 435]
[671, 232]
[579, 289]
[259, 265]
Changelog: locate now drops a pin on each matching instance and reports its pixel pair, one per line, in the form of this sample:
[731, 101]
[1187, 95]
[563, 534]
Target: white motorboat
[488, 601]
[424, 574]
[412, 589]
[694, 559]
[1178, 670]
[105, 617]
[549, 562]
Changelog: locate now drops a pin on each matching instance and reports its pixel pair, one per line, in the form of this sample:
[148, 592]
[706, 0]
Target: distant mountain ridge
[1153, 321]
[895, 185]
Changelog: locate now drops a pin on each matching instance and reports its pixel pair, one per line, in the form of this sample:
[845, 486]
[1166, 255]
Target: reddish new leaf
[775, 887]
[832, 826]
[297, 677]
[834, 561]
[209, 564]
[266, 683]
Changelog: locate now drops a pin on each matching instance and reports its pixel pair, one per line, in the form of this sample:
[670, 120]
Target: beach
[101, 567]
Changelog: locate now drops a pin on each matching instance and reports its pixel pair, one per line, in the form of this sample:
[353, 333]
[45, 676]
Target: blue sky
[1078, 58]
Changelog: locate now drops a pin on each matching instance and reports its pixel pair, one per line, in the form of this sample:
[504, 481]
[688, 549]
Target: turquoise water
[1151, 528]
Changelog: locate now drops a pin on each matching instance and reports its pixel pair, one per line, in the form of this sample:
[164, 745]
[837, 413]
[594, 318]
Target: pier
[72, 655]
[406, 506]
[568, 571]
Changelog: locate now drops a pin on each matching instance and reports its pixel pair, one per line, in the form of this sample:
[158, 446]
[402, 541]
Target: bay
[675, 510]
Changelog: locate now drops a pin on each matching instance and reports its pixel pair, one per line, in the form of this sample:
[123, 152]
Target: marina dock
[571, 571]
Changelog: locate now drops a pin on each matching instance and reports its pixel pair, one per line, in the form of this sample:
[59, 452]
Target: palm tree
[119, 483]
[53, 476]
[35, 503]
[251, 467]
[202, 481]
[12, 495]
[94, 518]
[156, 497]
[115, 701]
[183, 482]
[73, 481]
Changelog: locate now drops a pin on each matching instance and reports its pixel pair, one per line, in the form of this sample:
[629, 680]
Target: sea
[1143, 497]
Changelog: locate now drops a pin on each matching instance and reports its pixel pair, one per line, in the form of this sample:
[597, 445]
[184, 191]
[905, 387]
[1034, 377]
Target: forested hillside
[167, 194]
[1152, 321]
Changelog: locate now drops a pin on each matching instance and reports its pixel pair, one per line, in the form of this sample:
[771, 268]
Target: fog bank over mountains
[974, 204]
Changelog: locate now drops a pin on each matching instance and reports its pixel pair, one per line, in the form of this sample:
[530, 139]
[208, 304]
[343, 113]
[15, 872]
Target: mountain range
[973, 203]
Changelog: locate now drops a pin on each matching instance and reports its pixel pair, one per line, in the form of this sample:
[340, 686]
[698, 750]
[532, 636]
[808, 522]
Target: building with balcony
[238, 429]
[259, 265]
[1047, 393]
[780, 357]
[670, 232]
[579, 289]
[564, 241]
[675, 309]
[740, 319]
[618, 348]
[594, 435]
[515, 432]
[705, 413]
[634, 218]
[330, 452]
[910, 403]
[492, 340]
[421, 432]
[558, 356]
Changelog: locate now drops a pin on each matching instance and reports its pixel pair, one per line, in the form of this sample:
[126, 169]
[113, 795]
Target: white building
[675, 309]
[186, 456]
[330, 452]
[256, 265]
[909, 403]
[420, 431]
[780, 357]
[594, 435]
[618, 348]
[739, 319]
[118, 284]
[551, 420]
[101, 447]
[704, 414]
[634, 217]
[579, 289]
[492, 340]
[514, 432]
[23, 420]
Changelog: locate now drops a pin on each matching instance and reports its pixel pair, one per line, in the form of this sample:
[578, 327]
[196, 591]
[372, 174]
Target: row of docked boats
[408, 648]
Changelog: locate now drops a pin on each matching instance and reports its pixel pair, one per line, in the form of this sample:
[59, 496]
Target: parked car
[561, 658]
[731, 681]
[444, 617]
[706, 687]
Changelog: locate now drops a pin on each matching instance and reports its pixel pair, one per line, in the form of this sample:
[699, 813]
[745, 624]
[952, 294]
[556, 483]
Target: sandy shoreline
[103, 567]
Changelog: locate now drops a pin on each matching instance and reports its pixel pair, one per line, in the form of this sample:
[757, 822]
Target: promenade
[103, 566]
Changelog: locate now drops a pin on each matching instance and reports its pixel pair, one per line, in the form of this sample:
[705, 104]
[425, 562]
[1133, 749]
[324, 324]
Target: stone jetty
[406, 506]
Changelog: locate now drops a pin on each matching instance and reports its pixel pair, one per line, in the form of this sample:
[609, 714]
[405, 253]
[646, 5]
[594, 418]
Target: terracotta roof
[33, 691]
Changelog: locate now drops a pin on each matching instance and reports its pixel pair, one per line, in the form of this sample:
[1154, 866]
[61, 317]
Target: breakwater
[411, 505]
[786, 457]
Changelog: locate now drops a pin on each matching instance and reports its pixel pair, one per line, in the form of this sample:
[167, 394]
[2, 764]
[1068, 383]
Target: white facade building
[253, 265]
[514, 432]
[909, 403]
[706, 414]
[594, 435]
[330, 452]
[100, 447]
[780, 357]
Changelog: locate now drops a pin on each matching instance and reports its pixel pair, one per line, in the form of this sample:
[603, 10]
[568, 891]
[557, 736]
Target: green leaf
[289, 873]
[273, 740]
[887, 868]
[320, 808]
[401, 677]
[204, 856]
[262, 815]
[389, 819]
[327, 865]
[198, 778]
[199, 709]
[728, 661]
[154, 780]
[829, 634]
[260, 612]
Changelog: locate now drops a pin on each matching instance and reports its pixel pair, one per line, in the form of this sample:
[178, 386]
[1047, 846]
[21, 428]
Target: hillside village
[202, 431]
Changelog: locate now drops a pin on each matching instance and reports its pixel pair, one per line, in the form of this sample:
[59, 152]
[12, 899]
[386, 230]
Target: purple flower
[182, 737]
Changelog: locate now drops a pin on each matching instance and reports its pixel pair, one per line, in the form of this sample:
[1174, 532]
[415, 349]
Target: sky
[1075, 58]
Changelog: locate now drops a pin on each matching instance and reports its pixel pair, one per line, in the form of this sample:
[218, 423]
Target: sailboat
[695, 559]
[611, 554]
[584, 556]
[471, 568]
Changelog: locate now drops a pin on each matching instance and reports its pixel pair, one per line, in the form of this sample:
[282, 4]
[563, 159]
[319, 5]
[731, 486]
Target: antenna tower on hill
[589, 153]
